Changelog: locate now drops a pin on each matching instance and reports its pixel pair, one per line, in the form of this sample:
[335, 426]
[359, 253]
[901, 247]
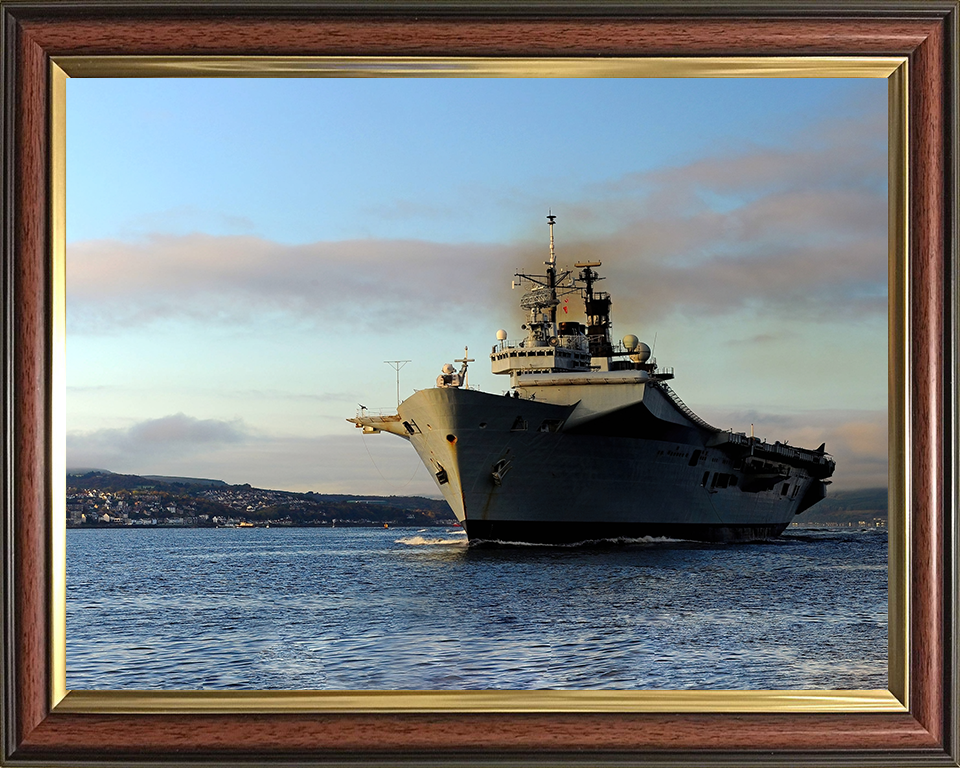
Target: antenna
[553, 257]
[463, 370]
[397, 364]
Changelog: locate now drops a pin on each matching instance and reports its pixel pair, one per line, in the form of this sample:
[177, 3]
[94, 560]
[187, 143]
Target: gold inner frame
[894, 699]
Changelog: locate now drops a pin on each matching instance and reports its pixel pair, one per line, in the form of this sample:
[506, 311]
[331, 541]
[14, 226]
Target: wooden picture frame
[919, 724]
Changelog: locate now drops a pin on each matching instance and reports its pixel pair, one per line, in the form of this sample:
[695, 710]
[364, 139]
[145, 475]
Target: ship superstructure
[590, 442]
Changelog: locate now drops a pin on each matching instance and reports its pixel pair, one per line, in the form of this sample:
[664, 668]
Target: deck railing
[682, 406]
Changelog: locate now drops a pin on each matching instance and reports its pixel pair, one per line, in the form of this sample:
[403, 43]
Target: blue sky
[243, 255]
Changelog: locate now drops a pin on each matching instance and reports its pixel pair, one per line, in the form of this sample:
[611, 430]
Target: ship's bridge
[560, 356]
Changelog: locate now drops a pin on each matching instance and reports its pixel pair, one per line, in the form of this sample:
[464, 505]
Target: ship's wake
[433, 541]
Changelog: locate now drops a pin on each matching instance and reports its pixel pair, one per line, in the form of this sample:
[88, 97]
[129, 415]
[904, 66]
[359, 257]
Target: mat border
[39, 727]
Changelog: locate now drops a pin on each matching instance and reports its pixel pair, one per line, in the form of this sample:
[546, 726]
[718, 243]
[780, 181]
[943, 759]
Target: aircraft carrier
[590, 443]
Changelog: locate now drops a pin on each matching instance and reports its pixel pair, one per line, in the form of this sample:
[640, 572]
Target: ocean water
[373, 608]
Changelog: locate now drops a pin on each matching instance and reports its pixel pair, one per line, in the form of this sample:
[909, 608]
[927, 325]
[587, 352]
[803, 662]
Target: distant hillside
[183, 480]
[103, 479]
[863, 504]
[163, 500]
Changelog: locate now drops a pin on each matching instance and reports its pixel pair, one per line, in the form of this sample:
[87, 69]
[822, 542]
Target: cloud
[180, 429]
[182, 445]
[178, 435]
[235, 279]
[798, 230]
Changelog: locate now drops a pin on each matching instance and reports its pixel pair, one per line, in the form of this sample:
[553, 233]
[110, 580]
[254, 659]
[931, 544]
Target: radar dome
[642, 351]
[448, 368]
[501, 335]
[630, 342]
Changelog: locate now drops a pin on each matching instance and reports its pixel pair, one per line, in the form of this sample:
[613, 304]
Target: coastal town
[96, 498]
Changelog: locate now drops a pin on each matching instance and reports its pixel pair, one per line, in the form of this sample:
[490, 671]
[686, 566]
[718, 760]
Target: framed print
[912, 45]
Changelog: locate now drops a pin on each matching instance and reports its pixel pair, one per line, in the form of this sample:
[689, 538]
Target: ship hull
[551, 532]
[514, 472]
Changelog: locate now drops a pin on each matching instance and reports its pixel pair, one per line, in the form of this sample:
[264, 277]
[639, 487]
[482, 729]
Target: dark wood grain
[444, 36]
[294, 735]
[918, 737]
[30, 390]
[927, 315]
